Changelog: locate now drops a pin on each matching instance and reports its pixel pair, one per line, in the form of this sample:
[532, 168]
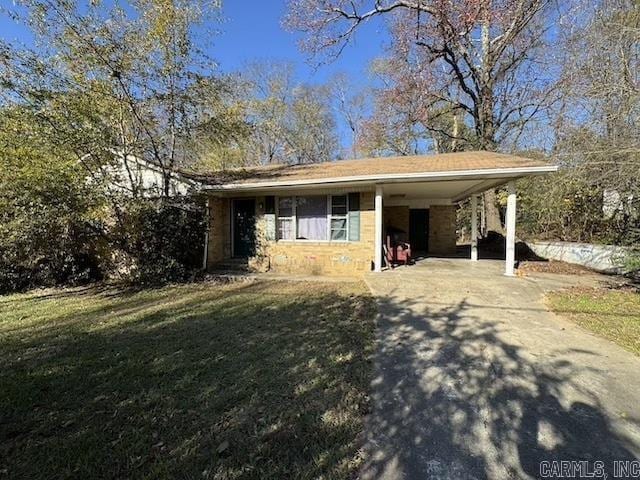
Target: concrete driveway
[476, 379]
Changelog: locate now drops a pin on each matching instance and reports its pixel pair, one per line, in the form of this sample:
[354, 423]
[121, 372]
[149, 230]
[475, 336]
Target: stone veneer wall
[442, 229]
[326, 258]
[219, 247]
[319, 258]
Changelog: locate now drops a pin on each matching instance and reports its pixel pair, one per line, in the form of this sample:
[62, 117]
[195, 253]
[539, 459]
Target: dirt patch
[553, 266]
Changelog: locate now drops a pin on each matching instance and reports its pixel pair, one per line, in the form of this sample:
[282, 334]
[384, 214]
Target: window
[285, 218]
[339, 217]
[313, 217]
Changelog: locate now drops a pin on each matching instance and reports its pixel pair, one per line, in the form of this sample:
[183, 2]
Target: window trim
[344, 217]
[330, 216]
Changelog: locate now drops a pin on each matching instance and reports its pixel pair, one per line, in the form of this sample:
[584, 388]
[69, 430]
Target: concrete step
[232, 265]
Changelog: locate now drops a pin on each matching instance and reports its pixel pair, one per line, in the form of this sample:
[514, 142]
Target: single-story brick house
[330, 218]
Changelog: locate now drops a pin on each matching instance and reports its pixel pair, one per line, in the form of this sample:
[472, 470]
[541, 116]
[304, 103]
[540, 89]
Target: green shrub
[40, 249]
[49, 227]
[59, 228]
[160, 239]
[632, 262]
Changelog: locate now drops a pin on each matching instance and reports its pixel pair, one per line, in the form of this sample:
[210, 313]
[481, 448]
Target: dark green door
[244, 227]
[419, 230]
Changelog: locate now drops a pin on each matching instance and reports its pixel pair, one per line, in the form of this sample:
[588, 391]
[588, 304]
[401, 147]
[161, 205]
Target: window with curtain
[311, 217]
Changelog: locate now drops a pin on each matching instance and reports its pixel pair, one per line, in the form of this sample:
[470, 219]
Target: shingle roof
[371, 167]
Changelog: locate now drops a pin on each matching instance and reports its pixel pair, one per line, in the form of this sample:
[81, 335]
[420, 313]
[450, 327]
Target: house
[330, 218]
[132, 175]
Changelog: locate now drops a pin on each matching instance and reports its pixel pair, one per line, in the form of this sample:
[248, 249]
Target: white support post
[483, 217]
[377, 265]
[474, 228]
[511, 231]
[207, 222]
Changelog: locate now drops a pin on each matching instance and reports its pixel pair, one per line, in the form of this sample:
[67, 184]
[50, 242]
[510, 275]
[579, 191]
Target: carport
[442, 189]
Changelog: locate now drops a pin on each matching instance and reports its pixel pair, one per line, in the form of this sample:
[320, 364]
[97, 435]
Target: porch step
[232, 265]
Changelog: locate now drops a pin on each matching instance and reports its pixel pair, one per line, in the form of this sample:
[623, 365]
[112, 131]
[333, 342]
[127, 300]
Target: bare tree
[483, 58]
[406, 119]
[351, 103]
[291, 122]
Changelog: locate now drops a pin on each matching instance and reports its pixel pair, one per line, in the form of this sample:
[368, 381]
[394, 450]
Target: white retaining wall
[603, 258]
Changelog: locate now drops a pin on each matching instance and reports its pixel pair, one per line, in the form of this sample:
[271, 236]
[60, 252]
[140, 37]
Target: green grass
[613, 314]
[249, 380]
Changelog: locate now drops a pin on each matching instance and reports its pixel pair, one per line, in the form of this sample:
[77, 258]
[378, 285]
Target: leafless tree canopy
[481, 59]
[479, 64]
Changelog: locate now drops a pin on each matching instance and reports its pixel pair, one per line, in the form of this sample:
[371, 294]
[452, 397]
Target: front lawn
[248, 380]
[613, 314]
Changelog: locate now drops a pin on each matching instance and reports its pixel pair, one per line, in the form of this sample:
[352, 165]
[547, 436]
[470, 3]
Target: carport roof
[381, 170]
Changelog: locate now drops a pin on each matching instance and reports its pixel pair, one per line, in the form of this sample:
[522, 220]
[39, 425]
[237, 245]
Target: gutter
[496, 173]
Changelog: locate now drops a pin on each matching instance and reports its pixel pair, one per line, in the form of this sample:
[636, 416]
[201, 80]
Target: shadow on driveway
[454, 400]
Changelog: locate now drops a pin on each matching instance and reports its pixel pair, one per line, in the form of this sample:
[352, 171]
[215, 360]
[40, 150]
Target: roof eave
[507, 173]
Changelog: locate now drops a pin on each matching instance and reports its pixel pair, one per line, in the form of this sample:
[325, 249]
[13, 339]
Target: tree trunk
[492, 213]
[485, 120]
[166, 183]
[456, 131]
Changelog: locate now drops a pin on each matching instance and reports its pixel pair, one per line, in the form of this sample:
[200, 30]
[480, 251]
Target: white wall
[130, 173]
[602, 258]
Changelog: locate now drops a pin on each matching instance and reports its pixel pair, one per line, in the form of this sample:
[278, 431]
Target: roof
[378, 170]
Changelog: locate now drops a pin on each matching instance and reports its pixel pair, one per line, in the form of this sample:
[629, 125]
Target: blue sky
[250, 33]
[252, 30]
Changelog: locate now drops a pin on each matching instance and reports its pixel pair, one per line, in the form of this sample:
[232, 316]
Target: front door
[244, 227]
[419, 230]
